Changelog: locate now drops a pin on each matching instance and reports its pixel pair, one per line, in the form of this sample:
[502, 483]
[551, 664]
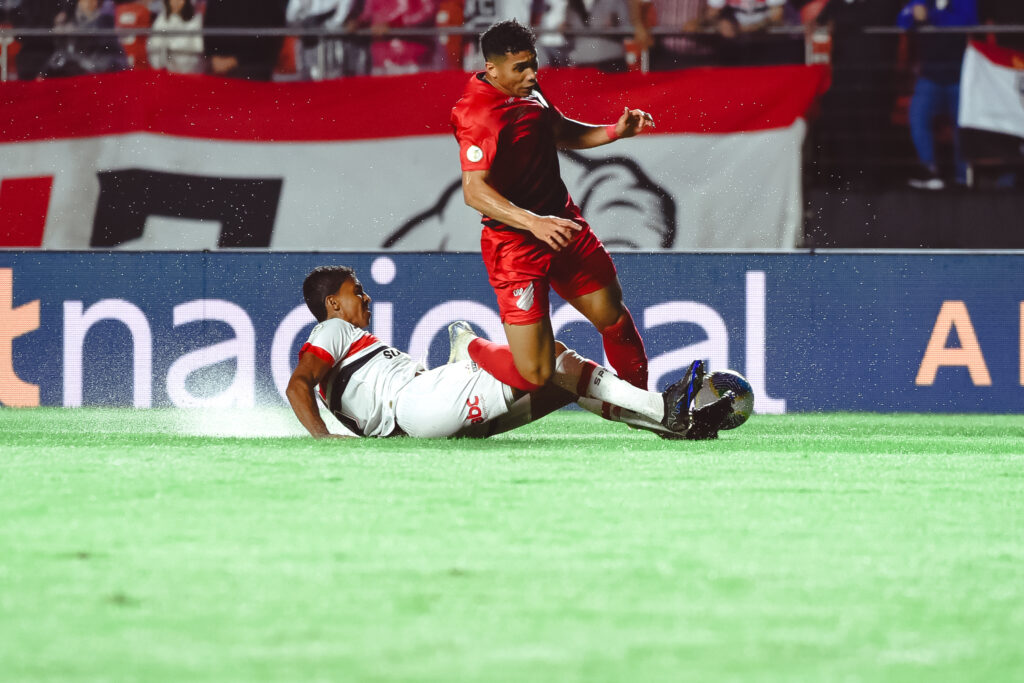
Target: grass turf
[152, 545]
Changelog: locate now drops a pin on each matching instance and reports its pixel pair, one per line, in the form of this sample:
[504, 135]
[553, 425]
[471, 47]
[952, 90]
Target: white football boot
[460, 334]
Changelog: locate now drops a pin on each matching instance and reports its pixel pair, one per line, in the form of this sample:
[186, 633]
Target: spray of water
[237, 422]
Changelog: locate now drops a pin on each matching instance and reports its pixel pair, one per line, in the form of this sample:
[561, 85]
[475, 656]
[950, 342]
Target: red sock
[496, 359]
[625, 350]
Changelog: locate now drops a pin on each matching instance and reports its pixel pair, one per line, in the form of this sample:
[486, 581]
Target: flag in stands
[992, 90]
[150, 160]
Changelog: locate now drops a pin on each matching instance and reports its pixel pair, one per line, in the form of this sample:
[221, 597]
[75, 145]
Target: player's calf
[587, 379]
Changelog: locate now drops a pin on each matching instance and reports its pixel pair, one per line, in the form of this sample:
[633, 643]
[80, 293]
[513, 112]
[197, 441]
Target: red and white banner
[992, 89]
[150, 160]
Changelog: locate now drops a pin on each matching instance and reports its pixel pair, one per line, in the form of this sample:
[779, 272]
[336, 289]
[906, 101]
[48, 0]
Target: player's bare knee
[535, 373]
[608, 316]
[540, 375]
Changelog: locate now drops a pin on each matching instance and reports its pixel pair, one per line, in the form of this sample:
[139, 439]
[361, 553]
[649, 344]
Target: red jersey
[514, 138]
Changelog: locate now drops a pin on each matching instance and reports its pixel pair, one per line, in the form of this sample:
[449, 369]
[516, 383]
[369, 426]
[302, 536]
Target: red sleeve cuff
[318, 352]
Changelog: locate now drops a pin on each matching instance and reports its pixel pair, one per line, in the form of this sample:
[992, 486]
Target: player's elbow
[475, 200]
[471, 191]
[299, 393]
[467, 196]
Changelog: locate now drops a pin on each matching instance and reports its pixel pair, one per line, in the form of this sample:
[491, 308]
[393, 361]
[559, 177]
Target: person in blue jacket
[937, 89]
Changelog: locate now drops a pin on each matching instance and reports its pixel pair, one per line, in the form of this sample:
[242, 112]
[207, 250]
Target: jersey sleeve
[477, 137]
[329, 341]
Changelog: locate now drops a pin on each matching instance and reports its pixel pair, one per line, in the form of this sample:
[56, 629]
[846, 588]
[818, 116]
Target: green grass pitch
[166, 546]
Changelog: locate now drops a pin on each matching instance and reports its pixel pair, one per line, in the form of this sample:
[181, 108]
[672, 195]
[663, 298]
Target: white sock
[588, 379]
[620, 415]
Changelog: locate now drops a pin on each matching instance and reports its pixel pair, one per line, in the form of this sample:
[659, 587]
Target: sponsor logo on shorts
[474, 154]
[475, 414]
[525, 297]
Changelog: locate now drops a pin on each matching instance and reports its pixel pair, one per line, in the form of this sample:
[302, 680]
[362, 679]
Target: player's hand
[553, 231]
[632, 122]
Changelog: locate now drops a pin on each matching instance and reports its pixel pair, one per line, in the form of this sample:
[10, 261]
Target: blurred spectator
[607, 53]
[393, 55]
[178, 53]
[674, 52]
[855, 112]
[937, 88]
[480, 14]
[741, 25]
[35, 51]
[251, 57]
[78, 54]
[552, 45]
[131, 15]
[1004, 13]
[329, 57]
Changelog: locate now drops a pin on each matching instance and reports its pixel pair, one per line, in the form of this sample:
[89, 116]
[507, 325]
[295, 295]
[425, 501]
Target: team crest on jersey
[525, 297]
[474, 154]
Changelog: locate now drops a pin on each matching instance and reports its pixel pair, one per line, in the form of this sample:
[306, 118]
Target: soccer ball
[717, 383]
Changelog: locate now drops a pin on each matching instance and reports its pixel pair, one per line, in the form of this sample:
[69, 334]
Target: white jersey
[361, 388]
[747, 12]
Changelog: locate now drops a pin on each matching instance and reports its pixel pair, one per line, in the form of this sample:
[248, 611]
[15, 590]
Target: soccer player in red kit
[534, 236]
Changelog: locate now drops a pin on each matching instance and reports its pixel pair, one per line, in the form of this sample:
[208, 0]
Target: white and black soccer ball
[717, 383]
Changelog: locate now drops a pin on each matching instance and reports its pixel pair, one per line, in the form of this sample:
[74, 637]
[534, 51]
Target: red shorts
[521, 268]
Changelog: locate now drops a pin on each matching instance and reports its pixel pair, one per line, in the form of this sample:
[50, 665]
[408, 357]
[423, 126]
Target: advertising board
[917, 331]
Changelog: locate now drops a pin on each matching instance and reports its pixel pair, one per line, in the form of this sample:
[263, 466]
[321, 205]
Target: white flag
[992, 89]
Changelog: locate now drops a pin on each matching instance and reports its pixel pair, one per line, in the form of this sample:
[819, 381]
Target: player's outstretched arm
[478, 193]
[306, 376]
[571, 134]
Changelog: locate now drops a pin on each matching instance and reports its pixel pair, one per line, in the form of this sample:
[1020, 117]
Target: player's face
[350, 303]
[515, 73]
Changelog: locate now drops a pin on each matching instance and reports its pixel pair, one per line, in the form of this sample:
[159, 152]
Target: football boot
[460, 334]
[679, 397]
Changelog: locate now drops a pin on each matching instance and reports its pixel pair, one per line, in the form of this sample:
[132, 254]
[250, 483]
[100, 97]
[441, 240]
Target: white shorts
[458, 399]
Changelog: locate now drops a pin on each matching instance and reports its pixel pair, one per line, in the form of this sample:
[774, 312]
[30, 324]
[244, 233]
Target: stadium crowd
[890, 89]
[353, 37]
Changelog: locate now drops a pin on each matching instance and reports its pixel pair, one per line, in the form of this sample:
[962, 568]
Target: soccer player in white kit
[376, 390]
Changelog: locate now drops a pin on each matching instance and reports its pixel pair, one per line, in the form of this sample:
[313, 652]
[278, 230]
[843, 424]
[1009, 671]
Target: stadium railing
[859, 143]
[815, 46]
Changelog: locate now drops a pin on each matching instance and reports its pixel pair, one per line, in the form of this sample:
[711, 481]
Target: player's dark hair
[321, 282]
[507, 37]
